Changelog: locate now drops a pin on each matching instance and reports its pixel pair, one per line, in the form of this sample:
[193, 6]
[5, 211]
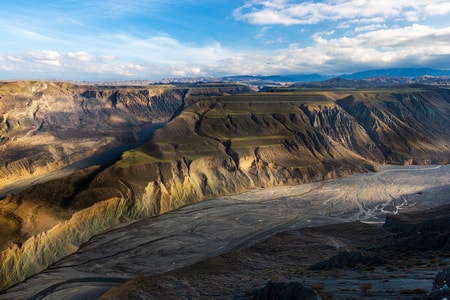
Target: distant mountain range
[405, 72]
[392, 73]
[365, 79]
[370, 78]
[372, 82]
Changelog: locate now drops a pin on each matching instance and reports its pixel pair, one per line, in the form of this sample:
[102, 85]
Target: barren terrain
[406, 273]
[194, 233]
[220, 139]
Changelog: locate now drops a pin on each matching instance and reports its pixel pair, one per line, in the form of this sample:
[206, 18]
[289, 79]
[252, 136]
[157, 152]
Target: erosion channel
[196, 232]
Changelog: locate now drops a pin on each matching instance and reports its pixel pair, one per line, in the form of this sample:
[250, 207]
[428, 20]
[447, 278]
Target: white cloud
[437, 8]
[44, 57]
[374, 46]
[371, 27]
[186, 71]
[262, 32]
[411, 46]
[122, 69]
[161, 50]
[411, 37]
[14, 59]
[81, 56]
[267, 12]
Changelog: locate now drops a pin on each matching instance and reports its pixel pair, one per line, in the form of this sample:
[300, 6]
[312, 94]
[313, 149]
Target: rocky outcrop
[46, 126]
[47, 247]
[441, 286]
[154, 104]
[422, 233]
[406, 127]
[438, 294]
[344, 129]
[348, 260]
[293, 289]
[441, 279]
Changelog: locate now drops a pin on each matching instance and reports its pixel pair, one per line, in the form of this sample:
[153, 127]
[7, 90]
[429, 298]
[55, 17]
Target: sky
[155, 39]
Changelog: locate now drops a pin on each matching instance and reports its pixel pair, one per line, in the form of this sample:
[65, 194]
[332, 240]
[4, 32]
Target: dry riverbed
[406, 274]
[196, 233]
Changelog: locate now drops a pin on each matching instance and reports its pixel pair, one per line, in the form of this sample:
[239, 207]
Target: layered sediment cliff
[221, 144]
[47, 125]
[230, 144]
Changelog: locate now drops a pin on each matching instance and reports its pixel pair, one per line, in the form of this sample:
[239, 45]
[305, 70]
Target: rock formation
[217, 144]
[441, 279]
[348, 260]
[441, 288]
[424, 233]
[45, 126]
[48, 125]
[293, 289]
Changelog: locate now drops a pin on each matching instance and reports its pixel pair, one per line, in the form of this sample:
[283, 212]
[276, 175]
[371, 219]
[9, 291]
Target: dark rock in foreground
[442, 279]
[422, 231]
[441, 289]
[284, 291]
[348, 260]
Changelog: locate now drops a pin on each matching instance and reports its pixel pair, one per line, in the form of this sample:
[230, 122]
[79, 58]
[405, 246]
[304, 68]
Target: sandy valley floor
[195, 233]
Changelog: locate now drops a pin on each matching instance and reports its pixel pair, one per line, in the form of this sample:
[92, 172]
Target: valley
[194, 233]
[210, 141]
[102, 158]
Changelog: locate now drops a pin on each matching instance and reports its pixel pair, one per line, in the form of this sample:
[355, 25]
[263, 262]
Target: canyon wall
[47, 125]
[223, 144]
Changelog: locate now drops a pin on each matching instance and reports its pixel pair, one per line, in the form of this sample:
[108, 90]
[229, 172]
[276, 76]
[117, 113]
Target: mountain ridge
[224, 142]
[406, 75]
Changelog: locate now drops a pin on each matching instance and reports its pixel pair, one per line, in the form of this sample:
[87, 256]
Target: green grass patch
[257, 141]
[268, 101]
[137, 157]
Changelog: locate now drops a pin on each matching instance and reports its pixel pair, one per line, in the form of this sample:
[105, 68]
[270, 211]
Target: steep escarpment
[48, 125]
[228, 144]
[344, 129]
[154, 104]
[221, 144]
[45, 126]
[405, 126]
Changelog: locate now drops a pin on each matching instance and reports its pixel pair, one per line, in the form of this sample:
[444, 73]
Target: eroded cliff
[47, 125]
[228, 144]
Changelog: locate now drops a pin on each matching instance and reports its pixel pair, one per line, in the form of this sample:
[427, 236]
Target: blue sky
[149, 39]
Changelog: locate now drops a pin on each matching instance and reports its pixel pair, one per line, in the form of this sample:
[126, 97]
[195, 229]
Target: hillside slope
[47, 125]
[222, 144]
[228, 144]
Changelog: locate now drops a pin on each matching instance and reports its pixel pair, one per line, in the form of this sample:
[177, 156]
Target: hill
[221, 139]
